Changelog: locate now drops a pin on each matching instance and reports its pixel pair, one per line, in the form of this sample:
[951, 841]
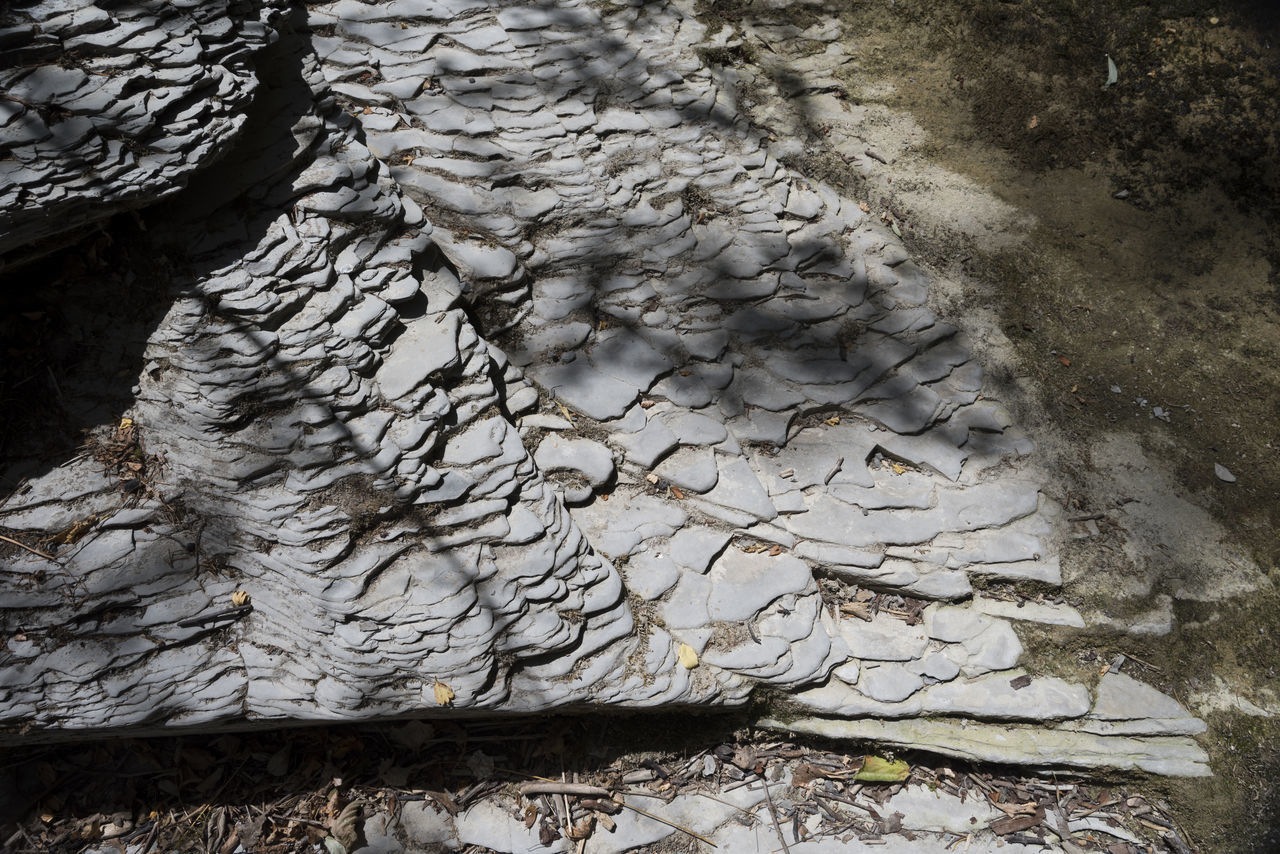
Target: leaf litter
[217, 794]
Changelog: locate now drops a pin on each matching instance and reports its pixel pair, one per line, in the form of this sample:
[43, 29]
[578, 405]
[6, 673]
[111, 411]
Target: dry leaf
[345, 828]
[864, 207]
[807, 773]
[687, 656]
[75, 532]
[564, 410]
[652, 478]
[856, 609]
[240, 598]
[832, 421]
[1034, 123]
[1065, 361]
[582, 829]
[530, 816]
[547, 834]
[744, 757]
[775, 551]
[646, 403]
[1015, 824]
[676, 491]
[898, 468]
[444, 694]
[878, 770]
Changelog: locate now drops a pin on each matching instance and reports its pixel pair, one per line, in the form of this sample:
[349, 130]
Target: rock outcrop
[502, 356]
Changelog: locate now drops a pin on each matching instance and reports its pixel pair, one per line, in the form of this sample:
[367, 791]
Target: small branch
[697, 836]
[773, 812]
[37, 552]
[556, 788]
[229, 613]
[834, 471]
[875, 156]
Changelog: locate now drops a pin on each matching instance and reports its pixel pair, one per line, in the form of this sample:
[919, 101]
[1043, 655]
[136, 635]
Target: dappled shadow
[650, 221]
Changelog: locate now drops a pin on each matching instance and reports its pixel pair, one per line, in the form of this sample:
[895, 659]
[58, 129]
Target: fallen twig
[773, 812]
[201, 619]
[647, 814]
[27, 547]
[555, 788]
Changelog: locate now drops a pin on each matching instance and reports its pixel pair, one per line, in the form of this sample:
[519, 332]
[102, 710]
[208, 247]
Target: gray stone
[953, 624]
[692, 428]
[651, 573]
[1122, 698]
[926, 809]
[1026, 745]
[738, 489]
[586, 389]
[648, 445]
[994, 696]
[490, 826]
[590, 459]
[1034, 612]
[883, 639]
[994, 648]
[744, 584]
[693, 469]
[889, 683]
[693, 548]
[423, 824]
[683, 388]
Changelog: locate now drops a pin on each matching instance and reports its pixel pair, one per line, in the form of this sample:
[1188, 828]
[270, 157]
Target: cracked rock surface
[500, 352]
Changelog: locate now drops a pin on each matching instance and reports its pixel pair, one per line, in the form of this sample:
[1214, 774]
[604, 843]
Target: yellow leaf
[877, 770]
[687, 656]
[239, 598]
[832, 421]
[126, 423]
[444, 694]
[898, 468]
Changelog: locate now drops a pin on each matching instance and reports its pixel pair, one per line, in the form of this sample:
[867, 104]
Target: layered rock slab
[725, 367]
[109, 107]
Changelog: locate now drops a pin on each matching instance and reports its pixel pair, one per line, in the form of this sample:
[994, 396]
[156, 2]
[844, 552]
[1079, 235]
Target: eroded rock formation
[498, 351]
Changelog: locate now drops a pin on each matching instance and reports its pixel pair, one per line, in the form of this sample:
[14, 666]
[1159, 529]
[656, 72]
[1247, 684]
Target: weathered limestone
[110, 109]
[441, 219]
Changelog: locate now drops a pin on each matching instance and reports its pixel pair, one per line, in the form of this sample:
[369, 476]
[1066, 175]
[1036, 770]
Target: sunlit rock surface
[499, 352]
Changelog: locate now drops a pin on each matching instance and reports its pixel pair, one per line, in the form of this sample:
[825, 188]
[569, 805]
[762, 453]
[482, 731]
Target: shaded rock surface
[439, 217]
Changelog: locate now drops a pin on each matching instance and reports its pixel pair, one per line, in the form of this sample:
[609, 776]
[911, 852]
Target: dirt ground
[1112, 251]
